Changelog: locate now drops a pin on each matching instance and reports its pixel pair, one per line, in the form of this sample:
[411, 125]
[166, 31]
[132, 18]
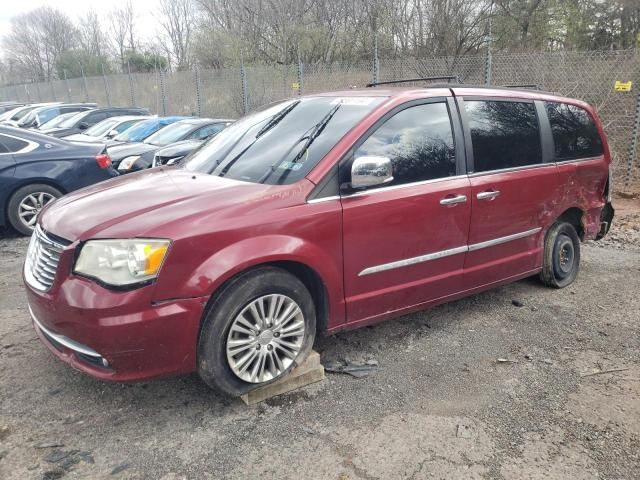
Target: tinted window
[125, 125]
[96, 117]
[418, 141]
[12, 144]
[47, 115]
[281, 144]
[206, 132]
[575, 134]
[503, 134]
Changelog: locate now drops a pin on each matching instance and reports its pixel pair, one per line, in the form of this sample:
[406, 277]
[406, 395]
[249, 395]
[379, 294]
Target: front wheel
[261, 325]
[25, 205]
[561, 256]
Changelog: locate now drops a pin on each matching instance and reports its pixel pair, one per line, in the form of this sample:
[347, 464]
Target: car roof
[32, 135]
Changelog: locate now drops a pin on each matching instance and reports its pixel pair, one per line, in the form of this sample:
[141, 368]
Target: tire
[561, 256]
[26, 199]
[224, 343]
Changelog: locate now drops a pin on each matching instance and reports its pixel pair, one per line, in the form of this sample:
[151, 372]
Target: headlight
[128, 162]
[121, 262]
[175, 160]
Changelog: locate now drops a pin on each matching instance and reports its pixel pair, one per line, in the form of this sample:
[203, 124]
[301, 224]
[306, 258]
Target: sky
[144, 9]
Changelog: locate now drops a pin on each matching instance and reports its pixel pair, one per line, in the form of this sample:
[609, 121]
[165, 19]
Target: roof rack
[422, 79]
[531, 86]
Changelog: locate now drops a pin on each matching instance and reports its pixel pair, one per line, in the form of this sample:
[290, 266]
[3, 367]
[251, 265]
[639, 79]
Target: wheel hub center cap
[265, 337]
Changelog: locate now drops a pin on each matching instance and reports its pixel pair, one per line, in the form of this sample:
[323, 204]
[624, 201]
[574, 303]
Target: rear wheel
[25, 205]
[258, 329]
[561, 256]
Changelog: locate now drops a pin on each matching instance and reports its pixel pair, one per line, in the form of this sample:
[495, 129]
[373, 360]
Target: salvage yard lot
[439, 403]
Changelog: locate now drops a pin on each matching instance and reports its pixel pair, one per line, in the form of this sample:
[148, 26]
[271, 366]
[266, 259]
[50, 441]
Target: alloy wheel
[265, 338]
[31, 205]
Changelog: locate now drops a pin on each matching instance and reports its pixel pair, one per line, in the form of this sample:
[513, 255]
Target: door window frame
[544, 131]
[330, 189]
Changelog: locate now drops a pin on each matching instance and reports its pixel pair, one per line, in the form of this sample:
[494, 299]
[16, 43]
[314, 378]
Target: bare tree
[91, 36]
[123, 31]
[177, 19]
[37, 40]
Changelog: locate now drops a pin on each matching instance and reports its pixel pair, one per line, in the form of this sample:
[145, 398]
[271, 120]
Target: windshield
[22, 112]
[139, 132]
[46, 115]
[171, 134]
[101, 127]
[57, 121]
[28, 118]
[281, 144]
[71, 120]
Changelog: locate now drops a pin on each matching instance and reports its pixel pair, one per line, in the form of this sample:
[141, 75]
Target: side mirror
[371, 171]
[112, 133]
[83, 125]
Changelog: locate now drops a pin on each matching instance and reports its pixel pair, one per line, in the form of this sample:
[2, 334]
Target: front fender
[245, 254]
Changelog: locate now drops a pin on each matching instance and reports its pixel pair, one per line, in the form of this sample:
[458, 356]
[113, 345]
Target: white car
[106, 129]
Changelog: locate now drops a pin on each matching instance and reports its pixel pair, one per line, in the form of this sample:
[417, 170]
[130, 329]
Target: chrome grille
[42, 260]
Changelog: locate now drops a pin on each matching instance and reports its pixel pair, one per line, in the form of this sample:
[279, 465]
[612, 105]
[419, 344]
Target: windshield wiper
[315, 132]
[276, 119]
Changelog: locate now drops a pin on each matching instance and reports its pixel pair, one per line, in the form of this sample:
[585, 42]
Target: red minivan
[317, 214]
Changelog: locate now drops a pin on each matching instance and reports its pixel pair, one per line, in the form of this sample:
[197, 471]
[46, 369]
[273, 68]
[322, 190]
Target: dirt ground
[439, 403]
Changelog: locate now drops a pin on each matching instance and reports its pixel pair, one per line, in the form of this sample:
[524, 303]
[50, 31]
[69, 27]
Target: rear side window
[11, 144]
[418, 141]
[575, 134]
[504, 134]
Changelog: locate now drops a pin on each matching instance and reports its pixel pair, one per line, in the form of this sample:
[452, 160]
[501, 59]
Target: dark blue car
[35, 169]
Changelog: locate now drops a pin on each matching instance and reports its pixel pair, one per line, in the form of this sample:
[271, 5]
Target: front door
[405, 241]
[513, 190]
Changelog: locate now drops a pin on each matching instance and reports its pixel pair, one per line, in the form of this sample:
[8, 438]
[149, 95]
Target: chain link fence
[232, 92]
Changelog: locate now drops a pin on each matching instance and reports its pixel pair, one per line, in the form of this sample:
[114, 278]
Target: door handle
[488, 195]
[453, 200]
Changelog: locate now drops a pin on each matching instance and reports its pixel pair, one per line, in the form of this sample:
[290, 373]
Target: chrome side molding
[446, 253]
[500, 240]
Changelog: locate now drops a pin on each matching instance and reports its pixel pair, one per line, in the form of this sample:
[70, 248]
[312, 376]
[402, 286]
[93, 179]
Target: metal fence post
[488, 59]
[106, 85]
[66, 85]
[163, 92]
[26, 91]
[131, 91]
[53, 91]
[300, 77]
[375, 70]
[84, 85]
[243, 80]
[196, 79]
[633, 147]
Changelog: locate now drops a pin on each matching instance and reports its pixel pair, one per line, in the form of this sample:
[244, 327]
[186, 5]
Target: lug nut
[269, 347]
[277, 334]
[257, 347]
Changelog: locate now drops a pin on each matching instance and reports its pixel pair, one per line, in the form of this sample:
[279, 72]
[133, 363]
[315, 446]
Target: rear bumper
[606, 218]
[118, 341]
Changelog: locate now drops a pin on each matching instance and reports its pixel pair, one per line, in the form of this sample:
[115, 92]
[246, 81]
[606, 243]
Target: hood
[120, 152]
[179, 148]
[163, 203]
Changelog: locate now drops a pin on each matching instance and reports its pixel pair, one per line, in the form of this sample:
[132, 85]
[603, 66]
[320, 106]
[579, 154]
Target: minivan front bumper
[117, 340]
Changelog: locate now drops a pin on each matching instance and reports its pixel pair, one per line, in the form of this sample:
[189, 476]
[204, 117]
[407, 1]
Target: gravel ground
[439, 403]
